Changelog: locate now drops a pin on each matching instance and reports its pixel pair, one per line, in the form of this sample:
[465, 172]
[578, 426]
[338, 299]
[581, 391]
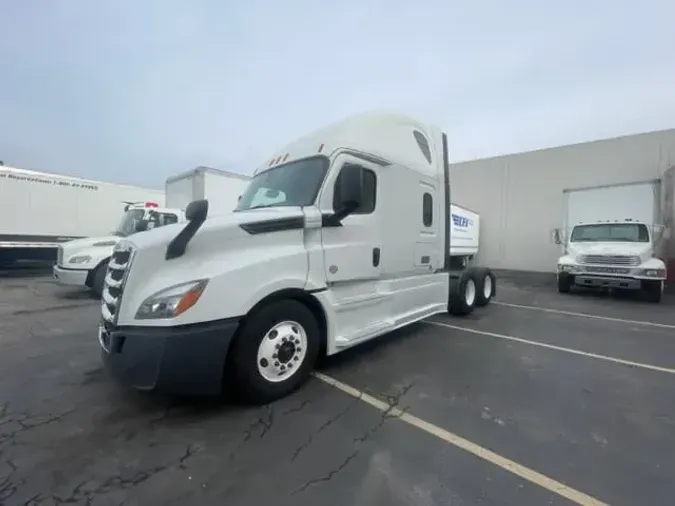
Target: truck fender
[303, 296]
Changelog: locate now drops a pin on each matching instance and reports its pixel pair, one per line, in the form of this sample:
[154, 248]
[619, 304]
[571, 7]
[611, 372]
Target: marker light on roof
[151, 204]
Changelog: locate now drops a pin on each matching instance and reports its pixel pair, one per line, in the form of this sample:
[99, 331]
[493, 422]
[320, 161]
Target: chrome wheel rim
[282, 351]
[470, 292]
[487, 287]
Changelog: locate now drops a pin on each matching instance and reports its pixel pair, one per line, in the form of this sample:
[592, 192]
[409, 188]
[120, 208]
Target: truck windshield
[293, 184]
[127, 224]
[615, 232]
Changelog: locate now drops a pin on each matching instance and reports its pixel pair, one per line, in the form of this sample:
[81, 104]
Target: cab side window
[370, 186]
[427, 210]
[170, 219]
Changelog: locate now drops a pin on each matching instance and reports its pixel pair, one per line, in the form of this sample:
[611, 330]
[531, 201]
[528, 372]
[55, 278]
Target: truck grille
[115, 278]
[610, 260]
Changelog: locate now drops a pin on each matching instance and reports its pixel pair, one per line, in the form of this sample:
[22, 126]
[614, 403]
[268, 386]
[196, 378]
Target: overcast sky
[136, 90]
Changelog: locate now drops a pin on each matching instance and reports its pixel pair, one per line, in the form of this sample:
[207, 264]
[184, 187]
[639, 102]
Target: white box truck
[612, 237]
[220, 187]
[84, 262]
[347, 234]
[39, 211]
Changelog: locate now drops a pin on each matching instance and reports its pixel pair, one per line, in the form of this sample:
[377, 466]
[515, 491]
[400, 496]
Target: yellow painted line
[508, 465]
[554, 347]
[586, 315]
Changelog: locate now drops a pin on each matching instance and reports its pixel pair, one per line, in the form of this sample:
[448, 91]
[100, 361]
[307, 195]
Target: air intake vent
[118, 267]
[622, 260]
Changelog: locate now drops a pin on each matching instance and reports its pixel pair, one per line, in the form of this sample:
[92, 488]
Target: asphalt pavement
[538, 398]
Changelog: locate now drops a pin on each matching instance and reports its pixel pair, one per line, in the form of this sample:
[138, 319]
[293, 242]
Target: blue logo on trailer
[461, 221]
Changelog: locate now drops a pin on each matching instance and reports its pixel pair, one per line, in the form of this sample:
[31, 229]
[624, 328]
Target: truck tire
[564, 282]
[653, 291]
[98, 279]
[462, 297]
[274, 351]
[485, 285]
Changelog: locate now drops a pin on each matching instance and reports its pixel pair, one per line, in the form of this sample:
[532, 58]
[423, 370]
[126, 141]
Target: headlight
[172, 301]
[82, 259]
[105, 243]
[572, 269]
[653, 273]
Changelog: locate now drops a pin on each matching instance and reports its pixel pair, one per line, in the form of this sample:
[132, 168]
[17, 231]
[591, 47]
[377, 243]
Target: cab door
[353, 256]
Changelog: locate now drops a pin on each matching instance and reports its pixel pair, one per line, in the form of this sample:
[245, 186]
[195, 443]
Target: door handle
[376, 257]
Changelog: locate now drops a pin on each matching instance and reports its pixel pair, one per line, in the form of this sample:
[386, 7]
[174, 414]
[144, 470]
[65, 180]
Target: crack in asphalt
[25, 422]
[8, 487]
[264, 423]
[298, 408]
[393, 401]
[87, 490]
[117, 482]
[322, 427]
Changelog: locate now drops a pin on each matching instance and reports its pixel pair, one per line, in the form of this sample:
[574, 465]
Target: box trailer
[222, 188]
[40, 210]
[465, 233]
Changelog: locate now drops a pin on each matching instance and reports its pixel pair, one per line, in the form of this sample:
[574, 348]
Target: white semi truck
[344, 236]
[612, 237]
[39, 211]
[84, 262]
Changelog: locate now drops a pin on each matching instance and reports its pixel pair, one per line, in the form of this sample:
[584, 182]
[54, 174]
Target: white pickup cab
[344, 235]
[84, 262]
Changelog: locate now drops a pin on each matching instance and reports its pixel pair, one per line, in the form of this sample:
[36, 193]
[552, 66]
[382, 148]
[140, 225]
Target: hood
[90, 249]
[642, 249]
[88, 242]
[163, 235]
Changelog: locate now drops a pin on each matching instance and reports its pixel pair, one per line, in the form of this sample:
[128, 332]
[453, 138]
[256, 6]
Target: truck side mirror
[197, 210]
[141, 225]
[349, 193]
[556, 236]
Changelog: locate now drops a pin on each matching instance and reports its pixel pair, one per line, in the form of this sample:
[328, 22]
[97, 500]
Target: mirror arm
[336, 218]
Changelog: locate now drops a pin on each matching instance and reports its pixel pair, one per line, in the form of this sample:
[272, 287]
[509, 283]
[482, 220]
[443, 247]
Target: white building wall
[519, 197]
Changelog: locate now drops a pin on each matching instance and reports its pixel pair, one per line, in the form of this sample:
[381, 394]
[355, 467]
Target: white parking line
[554, 347]
[586, 315]
[464, 444]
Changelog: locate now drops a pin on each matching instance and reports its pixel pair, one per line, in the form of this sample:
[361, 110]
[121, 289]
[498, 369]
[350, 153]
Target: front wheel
[275, 351]
[564, 282]
[653, 291]
[98, 279]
